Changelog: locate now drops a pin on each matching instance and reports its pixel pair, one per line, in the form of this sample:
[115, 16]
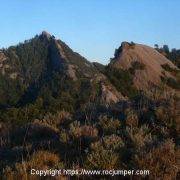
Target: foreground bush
[139, 137]
[161, 161]
[104, 154]
[108, 125]
[40, 160]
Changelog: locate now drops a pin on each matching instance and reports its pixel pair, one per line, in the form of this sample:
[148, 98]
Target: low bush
[104, 154]
[161, 161]
[40, 160]
[108, 125]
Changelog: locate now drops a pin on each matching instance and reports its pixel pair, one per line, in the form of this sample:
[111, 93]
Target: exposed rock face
[2, 60]
[152, 60]
[110, 95]
[13, 75]
[2, 57]
[4, 67]
[71, 72]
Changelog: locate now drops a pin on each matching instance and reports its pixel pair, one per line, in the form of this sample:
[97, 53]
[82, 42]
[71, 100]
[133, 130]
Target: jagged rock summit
[46, 34]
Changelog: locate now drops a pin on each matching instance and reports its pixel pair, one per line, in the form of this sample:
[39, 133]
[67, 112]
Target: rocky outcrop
[109, 94]
[152, 60]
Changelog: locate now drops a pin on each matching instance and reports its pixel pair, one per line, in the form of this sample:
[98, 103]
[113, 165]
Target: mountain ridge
[35, 64]
[45, 62]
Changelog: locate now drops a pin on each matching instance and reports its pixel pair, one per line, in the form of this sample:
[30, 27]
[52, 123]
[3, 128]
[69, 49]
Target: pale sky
[93, 28]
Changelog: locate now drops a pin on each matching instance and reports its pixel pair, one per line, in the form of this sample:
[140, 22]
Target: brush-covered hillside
[60, 111]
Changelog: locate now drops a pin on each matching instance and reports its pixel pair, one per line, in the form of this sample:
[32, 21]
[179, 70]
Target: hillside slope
[60, 111]
[46, 73]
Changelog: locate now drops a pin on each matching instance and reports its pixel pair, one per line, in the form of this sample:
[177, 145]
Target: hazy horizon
[92, 28]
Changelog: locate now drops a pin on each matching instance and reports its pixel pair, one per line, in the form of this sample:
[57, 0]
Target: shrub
[64, 136]
[139, 137]
[162, 115]
[76, 130]
[57, 119]
[40, 160]
[161, 161]
[113, 142]
[171, 82]
[131, 117]
[43, 160]
[108, 125]
[136, 66]
[170, 69]
[122, 80]
[105, 153]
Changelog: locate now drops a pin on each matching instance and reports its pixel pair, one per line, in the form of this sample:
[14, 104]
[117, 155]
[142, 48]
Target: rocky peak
[46, 35]
[130, 53]
[125, 45]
